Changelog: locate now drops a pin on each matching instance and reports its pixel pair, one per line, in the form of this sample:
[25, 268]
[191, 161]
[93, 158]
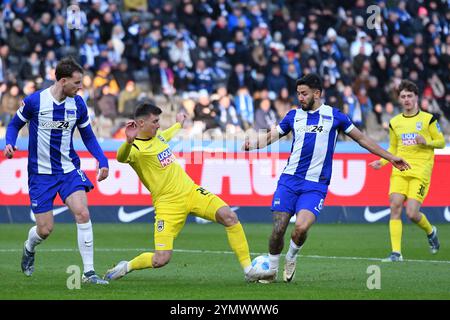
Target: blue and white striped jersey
[315, 134]
[51, 127]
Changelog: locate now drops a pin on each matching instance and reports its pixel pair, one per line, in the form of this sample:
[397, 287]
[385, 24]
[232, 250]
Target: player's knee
[160, 259]
[412, 213]
[82, 216]
[226, 217]
[44, 230]
[301, 228]
[396, 209]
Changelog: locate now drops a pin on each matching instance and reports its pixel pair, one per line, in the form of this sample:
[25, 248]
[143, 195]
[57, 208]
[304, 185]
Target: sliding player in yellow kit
[413, 135]
[174, 194]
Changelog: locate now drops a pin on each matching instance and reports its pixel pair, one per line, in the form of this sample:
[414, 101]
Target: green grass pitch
[332, 265]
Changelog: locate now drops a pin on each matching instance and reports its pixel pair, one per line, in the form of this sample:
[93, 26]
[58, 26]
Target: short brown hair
[145, 109]
[408, 86]
[66, 67]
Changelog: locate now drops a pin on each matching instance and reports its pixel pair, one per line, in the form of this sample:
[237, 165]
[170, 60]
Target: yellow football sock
[238, 243]
[425, 225]
[142, 261]
[395, 230]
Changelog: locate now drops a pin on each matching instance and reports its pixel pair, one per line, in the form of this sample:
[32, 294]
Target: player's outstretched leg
[143, 261]
[238, 241]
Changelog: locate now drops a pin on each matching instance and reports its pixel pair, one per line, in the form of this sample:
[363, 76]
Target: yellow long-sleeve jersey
[156, 165]
[402, 133]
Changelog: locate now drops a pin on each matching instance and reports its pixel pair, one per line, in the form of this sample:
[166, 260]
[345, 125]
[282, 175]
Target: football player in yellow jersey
[413, 135]
[174, 194]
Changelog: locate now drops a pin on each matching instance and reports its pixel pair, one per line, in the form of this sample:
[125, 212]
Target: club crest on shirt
[419, 125]
[162, 139]
[71, 114]
[160, 225]
[166, 157]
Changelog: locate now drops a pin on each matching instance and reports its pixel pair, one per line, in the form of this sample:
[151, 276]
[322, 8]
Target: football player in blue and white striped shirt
[303, 184]
[52, 115]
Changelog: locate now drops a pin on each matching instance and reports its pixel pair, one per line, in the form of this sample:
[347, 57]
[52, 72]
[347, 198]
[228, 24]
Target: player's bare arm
[261, 141]
[367, 143]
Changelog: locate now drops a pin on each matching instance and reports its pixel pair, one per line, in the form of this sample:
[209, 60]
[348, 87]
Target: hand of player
[181, 117]
[9, 151]
[102, 174]
[420, 139]
[131, 131]
[376, 164]
[400, 164]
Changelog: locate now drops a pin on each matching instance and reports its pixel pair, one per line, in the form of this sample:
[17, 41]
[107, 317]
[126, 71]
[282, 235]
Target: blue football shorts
[287, 200]
[44, 187]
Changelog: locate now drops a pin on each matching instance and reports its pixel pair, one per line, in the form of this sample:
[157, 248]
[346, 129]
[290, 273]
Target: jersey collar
[412, 115]
[143, 139]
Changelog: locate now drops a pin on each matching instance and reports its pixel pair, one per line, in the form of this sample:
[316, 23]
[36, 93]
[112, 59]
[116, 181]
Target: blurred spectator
[238, 79]
[17, 40]
[265, 117]
[283, 103]
[162, 77]
[105, 78]
[361, 45]
[179, 51]
[244, 106]
[204, 112]
[352, 108]
[275, 80]
[88, 52]
[10, 103]
[33, 69]
[227, 116]
[203, 76]
[183, 77]
[128, 99]
[87, 92]
[389, 112]
[122, 74]
[107, 103]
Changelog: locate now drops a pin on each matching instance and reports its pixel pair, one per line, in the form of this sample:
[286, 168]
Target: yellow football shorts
[171, 217]
[410, 187]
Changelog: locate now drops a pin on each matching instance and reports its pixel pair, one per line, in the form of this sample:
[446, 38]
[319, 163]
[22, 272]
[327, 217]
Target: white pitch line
[222, 252]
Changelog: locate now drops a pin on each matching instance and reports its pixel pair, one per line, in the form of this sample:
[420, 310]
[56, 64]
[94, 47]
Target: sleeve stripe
[19, 114]
[433, 119]
[84, 125]
[280, 131]
[350, 128]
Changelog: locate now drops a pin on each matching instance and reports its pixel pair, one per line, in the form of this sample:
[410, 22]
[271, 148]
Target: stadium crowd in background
[230, 65]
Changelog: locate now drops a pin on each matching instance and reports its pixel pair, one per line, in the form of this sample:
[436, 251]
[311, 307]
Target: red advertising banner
[241, 179]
